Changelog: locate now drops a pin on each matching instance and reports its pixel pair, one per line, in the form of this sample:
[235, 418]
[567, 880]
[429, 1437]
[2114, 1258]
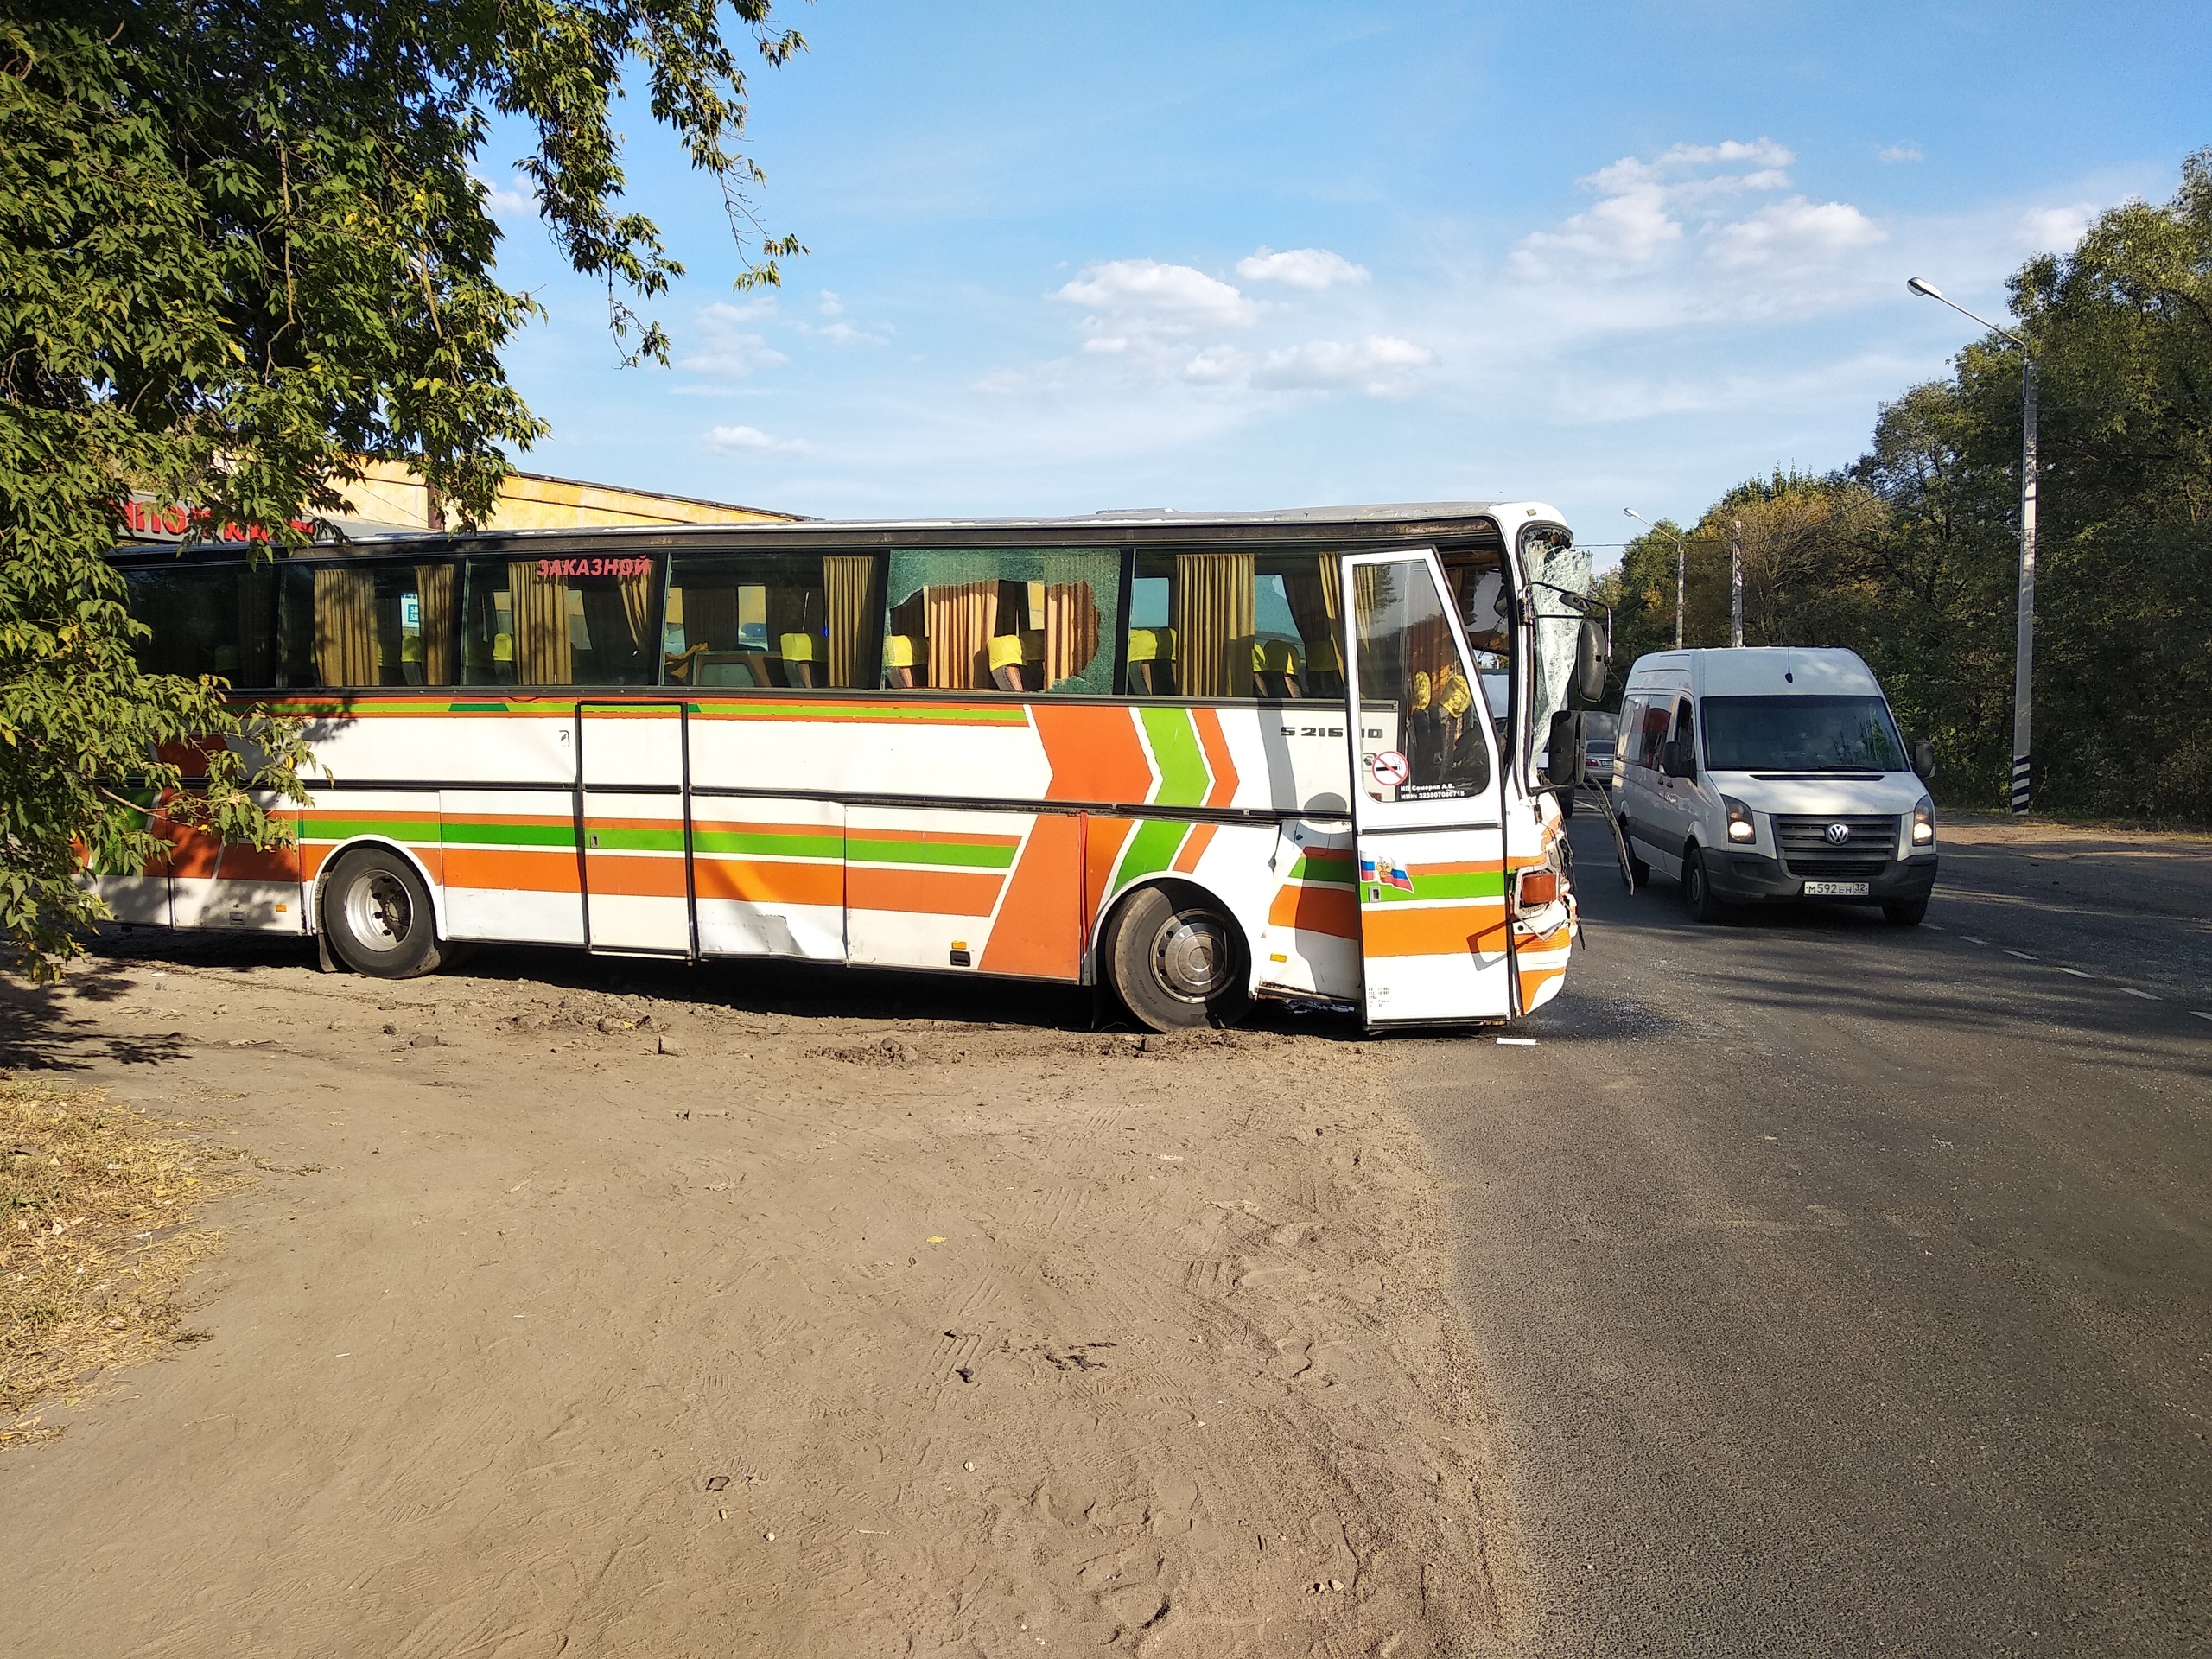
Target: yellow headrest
[898, 651]
[1005, 651]
[1453, 696]
[798, 647]
[1152, 645]
[1420, 691]
[1323, 654]
[503, 647]
[1273, 656]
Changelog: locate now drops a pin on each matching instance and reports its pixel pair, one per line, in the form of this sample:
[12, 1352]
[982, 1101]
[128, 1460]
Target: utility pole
[2024, 645]
[1681, 568]
[1736, 586]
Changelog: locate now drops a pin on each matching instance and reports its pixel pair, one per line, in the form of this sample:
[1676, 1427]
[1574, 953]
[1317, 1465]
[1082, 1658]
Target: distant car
[1598, 731]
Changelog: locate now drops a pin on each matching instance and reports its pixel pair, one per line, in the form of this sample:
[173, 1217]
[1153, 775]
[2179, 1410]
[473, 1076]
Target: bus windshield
[1806, 733]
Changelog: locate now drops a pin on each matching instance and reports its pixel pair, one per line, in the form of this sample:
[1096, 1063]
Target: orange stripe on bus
[1094, 751]
[1327, 909]
[612, 874]
[768, 883]
[1038, 931]
[1194, 848]
[1445, 931]
[925, 893]
[1223, 765]
[1103, 839]
[526, 869]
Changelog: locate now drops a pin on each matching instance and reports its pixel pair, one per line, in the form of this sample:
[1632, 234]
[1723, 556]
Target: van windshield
[1808, 733]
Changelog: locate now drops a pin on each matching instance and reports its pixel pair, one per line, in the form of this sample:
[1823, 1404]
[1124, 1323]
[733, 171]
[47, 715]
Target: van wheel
[376, 915]
[1908, 914]
[1697, 891]
[1176, 964]
[1636, 866]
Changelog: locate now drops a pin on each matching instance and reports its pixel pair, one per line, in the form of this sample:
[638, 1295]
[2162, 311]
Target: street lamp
[1681, 567]
[2024, 649]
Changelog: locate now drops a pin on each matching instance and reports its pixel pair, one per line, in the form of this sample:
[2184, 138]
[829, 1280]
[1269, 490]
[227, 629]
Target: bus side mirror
[1593, 657]
[1923, 757]
[1568, 758]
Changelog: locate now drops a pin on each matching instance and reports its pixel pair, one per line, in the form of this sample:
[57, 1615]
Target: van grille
[1806, 850]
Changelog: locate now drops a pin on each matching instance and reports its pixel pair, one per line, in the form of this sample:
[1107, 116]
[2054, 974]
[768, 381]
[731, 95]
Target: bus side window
[206, 619]
[363, 624]
[1021, 619]
[792, 620]
[1213, 623]
[589, 620]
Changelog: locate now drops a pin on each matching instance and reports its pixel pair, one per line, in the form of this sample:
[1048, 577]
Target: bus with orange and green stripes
[1193, 759]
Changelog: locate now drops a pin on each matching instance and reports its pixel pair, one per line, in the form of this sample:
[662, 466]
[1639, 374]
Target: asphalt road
[1846, 1288]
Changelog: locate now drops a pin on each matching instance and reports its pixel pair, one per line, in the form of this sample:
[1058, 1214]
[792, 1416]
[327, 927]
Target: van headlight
[1924, 823]
[1740, 825]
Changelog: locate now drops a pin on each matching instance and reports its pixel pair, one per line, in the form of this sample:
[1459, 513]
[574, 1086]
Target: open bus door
[1426, 794]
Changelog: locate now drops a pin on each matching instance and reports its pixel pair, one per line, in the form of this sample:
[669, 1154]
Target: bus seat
[798, 659]
[1325, 668]
[1006, 664]
[725, 668]
[899, 662]
[1152, 662]
[410, 659]
[682, 667]
[1275, 669]
[503, 659]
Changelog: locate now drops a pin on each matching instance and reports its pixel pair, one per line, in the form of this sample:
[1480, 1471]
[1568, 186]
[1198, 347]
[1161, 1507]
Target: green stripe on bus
[1183, 776]
[1150, 850]
[797, 843]
[1323, 867]
[500, 832]
[611, 839]
[934, 713]
[318, 827]
[1471, 884]
[963, 854]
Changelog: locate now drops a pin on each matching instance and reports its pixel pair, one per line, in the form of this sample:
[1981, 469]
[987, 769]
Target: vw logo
[1837, 834]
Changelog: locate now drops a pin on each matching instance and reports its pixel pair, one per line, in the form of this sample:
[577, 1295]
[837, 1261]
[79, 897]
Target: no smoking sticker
[1389, 768]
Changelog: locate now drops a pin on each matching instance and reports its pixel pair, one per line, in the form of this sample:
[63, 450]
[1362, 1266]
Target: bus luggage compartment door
[1425, 802]
[634, 823]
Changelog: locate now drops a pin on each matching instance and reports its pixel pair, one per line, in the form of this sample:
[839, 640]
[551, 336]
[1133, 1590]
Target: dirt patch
[658, 1324]
[96, 1206]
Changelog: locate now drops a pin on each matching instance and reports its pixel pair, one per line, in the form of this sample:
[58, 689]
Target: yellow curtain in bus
[434, 584]
[543, 654]
[963, 616]
[1071, 631]
[346, 627]
[638, 604]
[1213, 624]
[1314, 602]
[846, 583]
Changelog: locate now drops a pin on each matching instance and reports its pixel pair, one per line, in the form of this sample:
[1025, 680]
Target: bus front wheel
[1177, 962]
[377, 914]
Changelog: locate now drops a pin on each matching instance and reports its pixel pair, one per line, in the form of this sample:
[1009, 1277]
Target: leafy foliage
[1910, 557]
[242, 249]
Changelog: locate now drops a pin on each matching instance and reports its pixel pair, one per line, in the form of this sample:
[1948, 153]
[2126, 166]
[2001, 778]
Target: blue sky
[1251, 256]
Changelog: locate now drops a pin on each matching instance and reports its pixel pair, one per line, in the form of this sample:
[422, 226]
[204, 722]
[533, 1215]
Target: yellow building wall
[388, 493]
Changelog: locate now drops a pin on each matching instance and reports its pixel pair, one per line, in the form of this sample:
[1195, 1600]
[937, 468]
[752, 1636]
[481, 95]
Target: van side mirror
[1923, 757]
[1679, 758]
[1593, 657]
[1567, 761]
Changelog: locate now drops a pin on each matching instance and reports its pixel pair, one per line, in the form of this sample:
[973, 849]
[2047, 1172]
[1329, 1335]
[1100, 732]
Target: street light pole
[1681, 569]
[2024, 646]
[1735, 585]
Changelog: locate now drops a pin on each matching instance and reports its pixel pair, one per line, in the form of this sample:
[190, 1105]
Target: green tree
[242, 249]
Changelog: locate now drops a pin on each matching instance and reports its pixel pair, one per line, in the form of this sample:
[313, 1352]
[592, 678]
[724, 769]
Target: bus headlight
[1740, 826]
[1924, 823]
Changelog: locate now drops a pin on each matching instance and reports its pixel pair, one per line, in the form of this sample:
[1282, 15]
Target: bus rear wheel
[1176, 962]
[376, 915]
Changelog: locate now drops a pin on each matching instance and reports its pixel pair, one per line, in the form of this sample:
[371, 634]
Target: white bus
[1197, 758]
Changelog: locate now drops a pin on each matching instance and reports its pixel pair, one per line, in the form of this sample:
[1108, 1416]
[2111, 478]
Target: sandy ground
[592, 1308]
[2163, 873]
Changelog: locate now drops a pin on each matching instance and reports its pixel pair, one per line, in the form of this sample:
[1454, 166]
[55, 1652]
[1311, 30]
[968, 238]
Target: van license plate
[1835, 889]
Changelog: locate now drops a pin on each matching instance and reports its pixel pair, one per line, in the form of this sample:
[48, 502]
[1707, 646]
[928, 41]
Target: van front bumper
[1748, 878]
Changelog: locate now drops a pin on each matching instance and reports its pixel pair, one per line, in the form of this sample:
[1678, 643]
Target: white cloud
[1906, 151]
[1169, 299]
[847, 333]
[1311, 268]
[2049, 229]
[1795, 231]
[751, 439]
[829, 305]
[1646, 208]
[729, 351]
[503, 203]
[1381, 366]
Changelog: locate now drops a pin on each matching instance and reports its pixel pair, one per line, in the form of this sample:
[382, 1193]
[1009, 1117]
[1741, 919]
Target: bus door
[633, 820]
[1426, 800]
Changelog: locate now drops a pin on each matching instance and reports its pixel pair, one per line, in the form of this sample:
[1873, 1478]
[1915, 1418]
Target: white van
[1776, 773]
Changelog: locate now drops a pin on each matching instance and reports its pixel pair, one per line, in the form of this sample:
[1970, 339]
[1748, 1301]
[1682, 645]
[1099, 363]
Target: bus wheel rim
[379, 913]
[1190, 959]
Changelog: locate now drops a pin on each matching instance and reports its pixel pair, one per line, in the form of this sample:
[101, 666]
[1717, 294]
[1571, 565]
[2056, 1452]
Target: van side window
[1650, 733]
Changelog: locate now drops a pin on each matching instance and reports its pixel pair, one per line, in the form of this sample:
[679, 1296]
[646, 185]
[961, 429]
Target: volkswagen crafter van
[1772, 773]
